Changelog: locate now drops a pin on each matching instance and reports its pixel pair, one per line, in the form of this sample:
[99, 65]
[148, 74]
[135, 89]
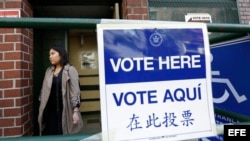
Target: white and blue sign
[230, 75]
[155, 81]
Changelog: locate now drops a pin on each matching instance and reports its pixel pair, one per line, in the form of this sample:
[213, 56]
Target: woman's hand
[76, 117]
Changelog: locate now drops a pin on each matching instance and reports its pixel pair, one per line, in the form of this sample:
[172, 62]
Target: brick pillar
[16, 65]
[244, 11]
[135, 9]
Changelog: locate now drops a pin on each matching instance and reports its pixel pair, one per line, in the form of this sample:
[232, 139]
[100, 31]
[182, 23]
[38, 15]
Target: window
[221, 11]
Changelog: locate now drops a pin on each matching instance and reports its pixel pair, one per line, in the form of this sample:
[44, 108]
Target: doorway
[82, 49]
[43, 40]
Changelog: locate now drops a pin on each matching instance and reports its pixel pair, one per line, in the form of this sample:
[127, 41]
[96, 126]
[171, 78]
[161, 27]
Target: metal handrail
[91, 23]
[75, 137]
[95, 137]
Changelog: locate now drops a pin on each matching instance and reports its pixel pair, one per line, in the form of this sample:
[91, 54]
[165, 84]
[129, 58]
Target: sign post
[155, 81]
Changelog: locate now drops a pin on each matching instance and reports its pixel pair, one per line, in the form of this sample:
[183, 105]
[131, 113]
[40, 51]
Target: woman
[60, 97]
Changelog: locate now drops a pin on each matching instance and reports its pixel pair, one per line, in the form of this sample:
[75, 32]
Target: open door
[84, 56]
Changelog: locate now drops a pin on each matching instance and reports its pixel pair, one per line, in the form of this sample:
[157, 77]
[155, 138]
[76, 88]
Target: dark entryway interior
[74, 8]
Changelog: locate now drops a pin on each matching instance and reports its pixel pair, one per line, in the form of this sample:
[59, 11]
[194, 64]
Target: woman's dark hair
[62, 52]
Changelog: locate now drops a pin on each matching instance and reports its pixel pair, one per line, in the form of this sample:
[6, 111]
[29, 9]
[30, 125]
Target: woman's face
[54, 57]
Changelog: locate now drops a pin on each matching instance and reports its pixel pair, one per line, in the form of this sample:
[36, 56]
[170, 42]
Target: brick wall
[135, 9]
[244, 11]
[16, 65]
